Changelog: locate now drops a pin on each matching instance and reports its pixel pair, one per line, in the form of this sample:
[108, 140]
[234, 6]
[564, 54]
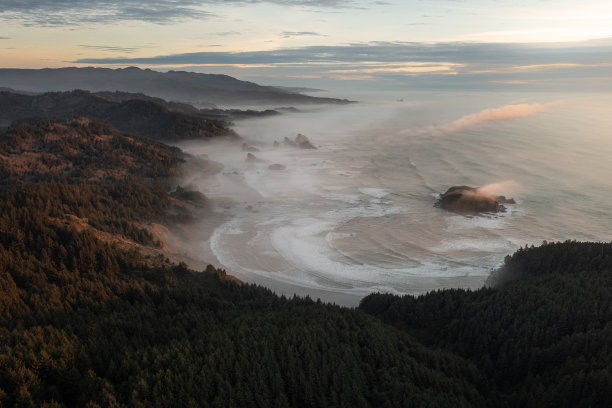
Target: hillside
[190, 87]
[87, 322]
[90, 317]
[137, 114]
[89, 175]
[542, 336]
[82, 150]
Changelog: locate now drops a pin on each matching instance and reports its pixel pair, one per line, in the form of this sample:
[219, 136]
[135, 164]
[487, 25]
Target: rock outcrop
[251, 158]
[300, 141]
[276, 167]
[248, 148]
[303, 142]
[470, 200]
[289, 143]
[194, 197]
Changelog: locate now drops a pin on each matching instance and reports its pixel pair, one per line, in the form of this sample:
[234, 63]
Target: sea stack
[251, 158]
[472, 201]
[303, 143]
[276, 167]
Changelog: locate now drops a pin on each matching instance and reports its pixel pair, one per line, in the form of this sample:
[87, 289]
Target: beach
[356, 215]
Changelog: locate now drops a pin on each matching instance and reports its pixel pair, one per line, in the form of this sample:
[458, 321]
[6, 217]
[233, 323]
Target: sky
[445, 43]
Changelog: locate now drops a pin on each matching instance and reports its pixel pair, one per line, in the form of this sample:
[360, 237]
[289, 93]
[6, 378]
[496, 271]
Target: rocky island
[472, 201]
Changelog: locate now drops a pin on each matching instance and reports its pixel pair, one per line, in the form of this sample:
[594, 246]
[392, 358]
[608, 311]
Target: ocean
[356, 215]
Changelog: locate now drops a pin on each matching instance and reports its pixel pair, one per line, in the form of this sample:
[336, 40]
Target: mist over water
[356, 215]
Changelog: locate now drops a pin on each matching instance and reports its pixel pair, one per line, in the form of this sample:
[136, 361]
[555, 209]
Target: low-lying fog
[356, 215]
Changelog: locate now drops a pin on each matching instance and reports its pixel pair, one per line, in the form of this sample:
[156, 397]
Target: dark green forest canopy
[83, 322]
[542, 335]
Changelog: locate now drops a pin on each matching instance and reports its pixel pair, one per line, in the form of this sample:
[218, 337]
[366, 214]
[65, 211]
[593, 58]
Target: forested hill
[542, 335]
[86, 321]
[88, 175]
[81, 150]
[136, 114]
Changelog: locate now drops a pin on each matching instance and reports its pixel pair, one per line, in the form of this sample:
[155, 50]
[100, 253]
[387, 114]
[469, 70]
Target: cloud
[507, 112]
[408, 69]
[114, 48]
[570, 66]
[353, 77]
[5, 38]
[289, 34]
[476, 57]
[76, 12]
[506, 187]
[513, 82]
[226, 33]
[495, 115]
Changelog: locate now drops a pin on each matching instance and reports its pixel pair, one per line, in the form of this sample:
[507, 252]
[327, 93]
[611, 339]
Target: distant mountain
[5, 89]
[131, 113]
[200, 89]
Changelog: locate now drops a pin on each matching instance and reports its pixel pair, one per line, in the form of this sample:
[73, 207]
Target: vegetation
[85, 173]
[542, 336]
[81, 150]
[132, 113]
[85, 323]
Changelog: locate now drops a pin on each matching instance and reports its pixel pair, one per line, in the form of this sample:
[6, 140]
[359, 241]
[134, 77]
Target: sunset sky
[547, 43]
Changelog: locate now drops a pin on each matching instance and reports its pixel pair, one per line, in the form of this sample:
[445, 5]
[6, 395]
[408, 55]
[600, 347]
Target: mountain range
[204, 90]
